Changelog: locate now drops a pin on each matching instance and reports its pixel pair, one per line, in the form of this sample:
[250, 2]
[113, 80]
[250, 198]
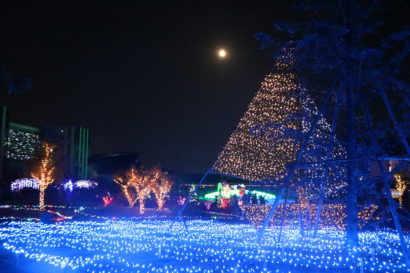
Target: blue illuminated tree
[342, 52]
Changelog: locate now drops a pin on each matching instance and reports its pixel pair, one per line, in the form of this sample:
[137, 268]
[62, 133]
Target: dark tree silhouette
[14, 84]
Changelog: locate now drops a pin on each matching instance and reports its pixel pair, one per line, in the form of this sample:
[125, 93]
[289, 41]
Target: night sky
[143, 77]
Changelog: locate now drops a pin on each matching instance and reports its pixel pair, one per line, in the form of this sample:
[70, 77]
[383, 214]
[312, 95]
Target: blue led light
[147, 245]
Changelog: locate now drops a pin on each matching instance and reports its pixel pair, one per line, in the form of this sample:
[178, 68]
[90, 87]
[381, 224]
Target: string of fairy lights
[22, 183]
[255, 156]
[332, 215]
[210, 246]
[269, 135]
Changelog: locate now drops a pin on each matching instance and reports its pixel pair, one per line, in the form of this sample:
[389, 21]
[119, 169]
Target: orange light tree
[401, 186]
[44, 172]
[137, 184]
[141, 181]
[126, 183]
[143, 187]
[161, 186]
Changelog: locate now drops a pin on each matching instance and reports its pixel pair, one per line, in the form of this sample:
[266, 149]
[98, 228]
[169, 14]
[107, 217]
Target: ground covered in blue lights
[210, 246]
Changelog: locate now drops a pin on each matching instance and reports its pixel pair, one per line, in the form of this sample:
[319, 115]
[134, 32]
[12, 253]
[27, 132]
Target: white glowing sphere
[222, 53]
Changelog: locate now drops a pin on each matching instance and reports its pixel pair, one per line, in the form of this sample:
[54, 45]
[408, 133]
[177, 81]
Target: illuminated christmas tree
[269, 135]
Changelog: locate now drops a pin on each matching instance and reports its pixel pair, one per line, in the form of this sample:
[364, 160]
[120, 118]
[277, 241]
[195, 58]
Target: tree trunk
[142, 205]
[128, 197]
[352, 237]
[161, 202]
[41, 198]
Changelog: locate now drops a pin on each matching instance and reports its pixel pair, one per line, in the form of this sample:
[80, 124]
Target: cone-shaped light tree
[269, 135]
[45, 171]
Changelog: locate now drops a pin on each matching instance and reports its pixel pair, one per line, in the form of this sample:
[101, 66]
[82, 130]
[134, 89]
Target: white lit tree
[45, 171]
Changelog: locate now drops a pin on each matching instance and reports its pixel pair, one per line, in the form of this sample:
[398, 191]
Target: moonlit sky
[143, 77]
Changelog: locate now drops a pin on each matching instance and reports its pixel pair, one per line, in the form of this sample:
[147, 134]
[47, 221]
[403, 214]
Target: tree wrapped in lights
[126, 182]
[401, 187]
[143, 185]
[161, 186]
[44, 173]
[136, 185]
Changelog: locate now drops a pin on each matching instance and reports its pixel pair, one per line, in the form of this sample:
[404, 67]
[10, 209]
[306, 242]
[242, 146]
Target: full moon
[222, 53]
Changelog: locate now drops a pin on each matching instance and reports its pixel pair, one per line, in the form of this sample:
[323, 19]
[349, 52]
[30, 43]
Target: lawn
[208, 246]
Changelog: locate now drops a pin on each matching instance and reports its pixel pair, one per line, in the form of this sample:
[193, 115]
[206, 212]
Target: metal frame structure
[385, 176]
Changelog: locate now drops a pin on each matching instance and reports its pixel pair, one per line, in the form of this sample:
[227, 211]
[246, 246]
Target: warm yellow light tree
[143, 187]
[125, 183]
[401, 186]
[44, 172]
[161, 186]
[141, 181]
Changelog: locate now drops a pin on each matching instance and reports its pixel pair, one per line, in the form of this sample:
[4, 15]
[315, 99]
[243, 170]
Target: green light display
[235, 192]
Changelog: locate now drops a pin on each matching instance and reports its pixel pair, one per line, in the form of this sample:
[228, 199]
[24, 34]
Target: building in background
[21, 142]
[4, 119]
[74, 146]
[19, 147]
